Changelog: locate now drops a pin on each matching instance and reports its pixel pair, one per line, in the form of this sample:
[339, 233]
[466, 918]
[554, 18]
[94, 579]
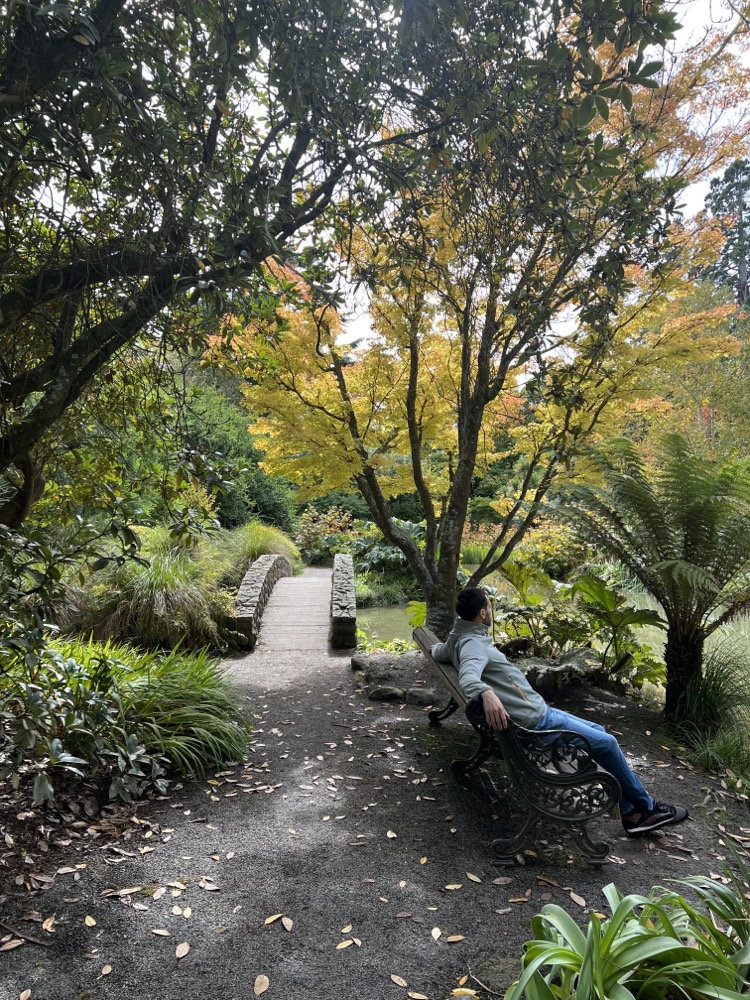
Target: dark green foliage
[728, 201]
[117, 718]
[66, 720]
[555, 622]
[183, 704]
[380, 590]
[682, 527]
[351, 503]
[217, 423]
[33, 565]
[717, 733]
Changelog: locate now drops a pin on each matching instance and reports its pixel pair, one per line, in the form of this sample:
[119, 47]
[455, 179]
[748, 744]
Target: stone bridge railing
[254, 592]
[343, 630]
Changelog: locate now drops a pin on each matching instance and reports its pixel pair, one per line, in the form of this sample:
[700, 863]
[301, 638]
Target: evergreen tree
[729, 201]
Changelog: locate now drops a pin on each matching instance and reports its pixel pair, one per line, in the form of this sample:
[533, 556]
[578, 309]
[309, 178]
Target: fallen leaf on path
[423, 861]
[158, 893]
[187, 913]
[454, 938]
[13, 943]
[577, 899]
[404, 914]
[49, 925]
[90, 922]
[345, 930]
[436, 932]
[261, 985]
[344, 944]
[288, 923]
[357, 942]
[416, 996]
[453, 885]
[160, 931]
[182, 949]
[26, 995]
[399, 981]
[474, 878]
[503, 880]
[461, 992]
[391, 835]
[273, 919]
[106, 969]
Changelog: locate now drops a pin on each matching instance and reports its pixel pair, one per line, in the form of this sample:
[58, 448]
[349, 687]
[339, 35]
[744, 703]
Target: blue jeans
[606, 752]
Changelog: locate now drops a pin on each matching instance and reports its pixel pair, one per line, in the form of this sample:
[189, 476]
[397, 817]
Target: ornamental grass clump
[182, 705]
[227, 555]
[178, 592]
[656, 947]
[158, 603]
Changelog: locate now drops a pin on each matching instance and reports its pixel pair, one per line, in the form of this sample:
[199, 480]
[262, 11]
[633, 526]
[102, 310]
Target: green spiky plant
[655, 947]
[682, 527]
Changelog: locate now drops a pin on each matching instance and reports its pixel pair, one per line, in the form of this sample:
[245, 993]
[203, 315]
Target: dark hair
[470, 602]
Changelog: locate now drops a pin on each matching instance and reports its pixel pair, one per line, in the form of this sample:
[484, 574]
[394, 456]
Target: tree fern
[681, 525]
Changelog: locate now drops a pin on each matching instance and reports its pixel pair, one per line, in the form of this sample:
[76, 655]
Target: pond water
[385, 624]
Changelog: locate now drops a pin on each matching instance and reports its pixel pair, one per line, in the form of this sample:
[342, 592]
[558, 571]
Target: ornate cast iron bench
[553, 772]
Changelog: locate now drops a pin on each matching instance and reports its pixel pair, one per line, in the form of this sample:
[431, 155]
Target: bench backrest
[425, 638]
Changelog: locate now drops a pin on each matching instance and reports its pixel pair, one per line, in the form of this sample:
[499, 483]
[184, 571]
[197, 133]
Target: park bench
[554, 775]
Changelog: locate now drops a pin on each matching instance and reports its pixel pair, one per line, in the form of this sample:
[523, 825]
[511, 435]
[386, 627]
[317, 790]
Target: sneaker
[660, 815]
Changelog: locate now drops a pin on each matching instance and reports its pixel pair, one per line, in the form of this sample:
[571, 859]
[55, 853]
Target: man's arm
[473, 660]
[440, 652]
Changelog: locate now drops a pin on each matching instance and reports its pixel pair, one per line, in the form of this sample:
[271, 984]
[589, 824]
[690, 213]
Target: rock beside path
[395, 677]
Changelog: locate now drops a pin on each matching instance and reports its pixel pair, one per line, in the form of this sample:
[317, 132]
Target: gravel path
[340, 855]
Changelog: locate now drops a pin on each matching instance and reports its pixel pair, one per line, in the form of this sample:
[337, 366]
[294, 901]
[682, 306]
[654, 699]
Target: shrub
[653, 947]
[182, 703]
[175, 594]
[373, 590]
[161, 603]
[226, 555]
[554, 620]
[321, 534]
[64, 720]
[720, 717]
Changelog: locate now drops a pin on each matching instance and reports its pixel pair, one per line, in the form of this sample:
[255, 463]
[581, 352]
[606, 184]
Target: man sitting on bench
[506, 694]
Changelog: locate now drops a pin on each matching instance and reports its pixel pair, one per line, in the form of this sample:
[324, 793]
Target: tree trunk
[683, 656]
[441, 611]
[15, 510]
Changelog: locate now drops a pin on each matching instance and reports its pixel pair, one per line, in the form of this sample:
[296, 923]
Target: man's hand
[494, 710]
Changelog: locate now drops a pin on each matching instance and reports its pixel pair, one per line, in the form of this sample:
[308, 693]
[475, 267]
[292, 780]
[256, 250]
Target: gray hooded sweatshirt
[480, 666]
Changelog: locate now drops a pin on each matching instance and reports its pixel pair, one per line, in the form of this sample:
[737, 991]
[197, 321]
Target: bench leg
[484, 751]
[596, 851]
[442, 713]
[507, 848]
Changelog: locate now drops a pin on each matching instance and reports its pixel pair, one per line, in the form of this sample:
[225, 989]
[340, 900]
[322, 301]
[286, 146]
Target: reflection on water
[385, 624]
